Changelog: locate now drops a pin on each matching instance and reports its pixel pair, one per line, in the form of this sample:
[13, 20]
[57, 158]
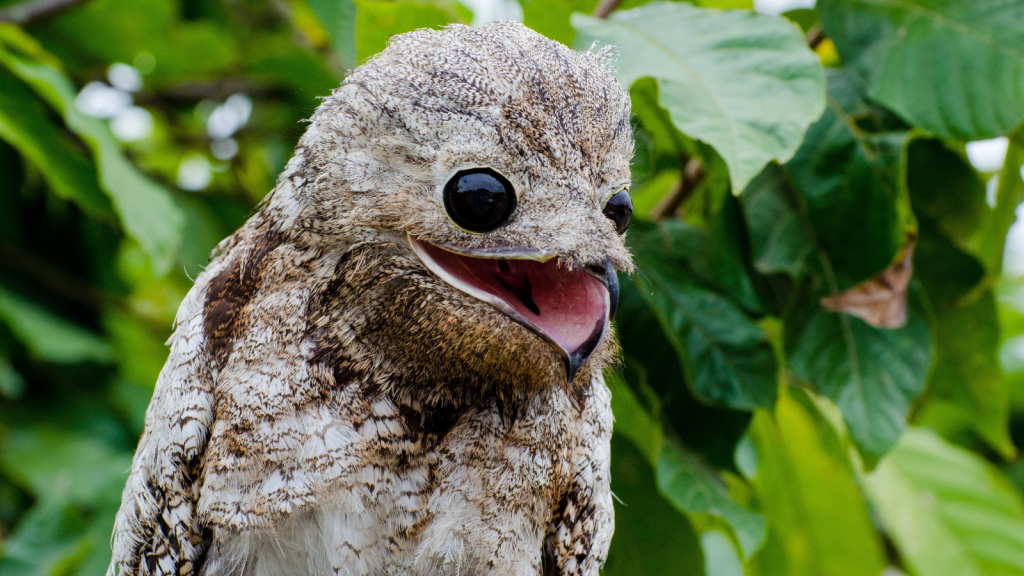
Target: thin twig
[605, 8]
[693, 174]
[28, 12]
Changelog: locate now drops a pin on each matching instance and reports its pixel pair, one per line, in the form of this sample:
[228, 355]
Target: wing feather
[156, 531]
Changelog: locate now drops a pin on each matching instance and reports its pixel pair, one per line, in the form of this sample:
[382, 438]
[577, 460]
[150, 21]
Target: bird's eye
[619, 210]
[479, 200]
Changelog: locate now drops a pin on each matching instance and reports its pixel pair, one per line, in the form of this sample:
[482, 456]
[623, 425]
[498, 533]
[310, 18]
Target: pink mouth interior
[568, 307]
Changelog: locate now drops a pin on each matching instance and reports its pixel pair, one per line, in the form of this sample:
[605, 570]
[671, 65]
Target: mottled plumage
[331, 405]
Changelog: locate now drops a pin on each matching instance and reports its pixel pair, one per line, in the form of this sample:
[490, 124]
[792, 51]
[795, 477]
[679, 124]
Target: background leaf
[751, 108]
[947, 510]
[50, 337]
[872, 374]
[145, 208]
[955, 68]
[692, 487]
[726, 356]
[817, 517]
[24, 125]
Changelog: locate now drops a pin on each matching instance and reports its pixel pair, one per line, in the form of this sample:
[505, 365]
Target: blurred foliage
[757, 432]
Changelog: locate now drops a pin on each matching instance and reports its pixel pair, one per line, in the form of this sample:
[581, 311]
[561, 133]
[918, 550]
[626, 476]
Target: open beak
[570, 308]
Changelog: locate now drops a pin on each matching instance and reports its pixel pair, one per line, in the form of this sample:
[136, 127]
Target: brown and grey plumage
[357, 383]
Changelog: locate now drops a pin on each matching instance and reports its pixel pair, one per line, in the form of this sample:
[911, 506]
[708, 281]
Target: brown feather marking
[231, 290]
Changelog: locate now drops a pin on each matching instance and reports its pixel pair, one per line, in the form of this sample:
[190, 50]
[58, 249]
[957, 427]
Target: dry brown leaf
[882, 300]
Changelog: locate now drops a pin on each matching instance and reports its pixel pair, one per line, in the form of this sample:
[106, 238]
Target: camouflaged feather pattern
[331, 407]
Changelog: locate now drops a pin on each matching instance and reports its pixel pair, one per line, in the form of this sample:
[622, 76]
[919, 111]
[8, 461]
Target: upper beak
[570, 308]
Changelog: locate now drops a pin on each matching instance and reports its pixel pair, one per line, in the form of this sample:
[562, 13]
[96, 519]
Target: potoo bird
[395, 366]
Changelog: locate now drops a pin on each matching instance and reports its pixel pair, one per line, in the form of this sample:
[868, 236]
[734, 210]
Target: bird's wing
[582, 527]
[157, 530]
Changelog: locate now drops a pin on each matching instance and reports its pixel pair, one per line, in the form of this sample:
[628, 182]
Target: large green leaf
[720, 558]
[653, 370]
[967, 374]
[682, 477]
[817, 517]
[948, 511]
[24, 125]
[48, 336]
[338, 17]
[63, 466]
[945, 190]
[953, 67]
[852, 184]
[990, 243]
[633, 420]
[744, 83]
[551, 17]
[695, 488]
[146, 210]
[77, 481]
[872, 374]
[949, 201]
[726, 356]
[778, 235]
[377, 21]
[107, 31]
[651, 537]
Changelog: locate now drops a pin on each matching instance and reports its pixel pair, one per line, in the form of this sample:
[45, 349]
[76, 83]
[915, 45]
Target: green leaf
[967, 373]
[633, 421]
[720, 557]
[778, 238]
[48, 541]
[945, 190]
[50, 337]
[949, 200]
[146, 209]
[107, 31]
[377, 21]
[77, 481]
[551, 17]
[12, 383]
[60, 466]
[726, 357]
[654, 372]
[69, 173]
[990, 243]
[651, 537]
[817, 517]
[806, 18]
[947, 510]
[872, 374]
[955, 68]
[695, 488]
[852, 185]
[742, 82]
[338, 17]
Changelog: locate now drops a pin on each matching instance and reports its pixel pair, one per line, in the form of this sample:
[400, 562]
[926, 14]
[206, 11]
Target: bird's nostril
[504, 267]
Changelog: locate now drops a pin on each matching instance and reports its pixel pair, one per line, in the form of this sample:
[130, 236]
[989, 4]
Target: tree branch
[28, 12]
[693, 174]
[605, 8]
[814, 36]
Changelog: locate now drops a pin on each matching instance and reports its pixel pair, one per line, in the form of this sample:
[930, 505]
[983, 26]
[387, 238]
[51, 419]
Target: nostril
[504, 267]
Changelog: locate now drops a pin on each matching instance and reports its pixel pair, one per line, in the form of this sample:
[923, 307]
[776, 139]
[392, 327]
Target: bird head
[482, 176]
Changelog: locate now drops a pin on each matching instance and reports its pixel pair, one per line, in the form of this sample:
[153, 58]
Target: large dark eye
[620, 210]
[479, 200]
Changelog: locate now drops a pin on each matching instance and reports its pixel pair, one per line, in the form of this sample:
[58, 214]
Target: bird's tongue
[567, 307]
